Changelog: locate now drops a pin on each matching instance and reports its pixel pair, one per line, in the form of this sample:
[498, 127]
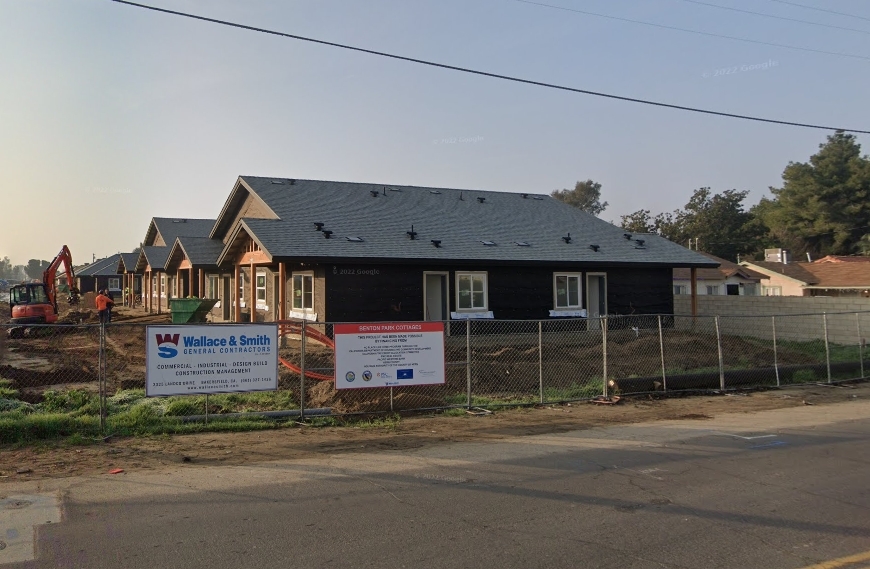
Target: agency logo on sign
[384, 375]
[367, 375]
[165, 343]
[350, 376]
[404, 374]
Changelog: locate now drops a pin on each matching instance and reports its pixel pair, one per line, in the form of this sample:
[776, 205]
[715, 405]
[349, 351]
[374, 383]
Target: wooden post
[282, 291]
[201, 288]
[238, 299]
[253, 292]
[191, 282]
[694, 278]
[179, 285]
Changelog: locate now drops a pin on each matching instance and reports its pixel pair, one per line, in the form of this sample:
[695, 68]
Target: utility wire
[821, 10]
[488, 74]
[742, 11]
[698, 32]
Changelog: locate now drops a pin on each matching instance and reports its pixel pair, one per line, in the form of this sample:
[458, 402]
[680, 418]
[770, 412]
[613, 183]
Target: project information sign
[189, 359]
[388, 354]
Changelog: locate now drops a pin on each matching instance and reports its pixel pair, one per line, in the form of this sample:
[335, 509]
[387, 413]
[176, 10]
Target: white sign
[189, 359]
[386, 354]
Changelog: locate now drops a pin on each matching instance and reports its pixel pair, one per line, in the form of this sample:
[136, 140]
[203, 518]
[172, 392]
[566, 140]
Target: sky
[111, 114]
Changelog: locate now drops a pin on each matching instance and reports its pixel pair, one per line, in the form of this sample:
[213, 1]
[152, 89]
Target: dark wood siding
[640, 291]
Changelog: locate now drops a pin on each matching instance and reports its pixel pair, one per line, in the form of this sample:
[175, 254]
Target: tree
[638, 222]
[35, 267]
[585, 195]
[5, 268]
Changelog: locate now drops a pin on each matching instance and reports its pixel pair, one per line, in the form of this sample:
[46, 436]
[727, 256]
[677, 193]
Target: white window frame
[569, 306]
[771, 291]
[473, 275]
[261, 302]
[681, 289]
[716, 288]
[212, 287]
[117, 283]
[162, 286]
[302, 310]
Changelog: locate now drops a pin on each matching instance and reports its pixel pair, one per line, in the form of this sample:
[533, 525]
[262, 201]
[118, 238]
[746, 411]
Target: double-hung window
[567, 291]
[471, 291]
[302, 293]
[212, 287]
[681, 289]
[261, 290]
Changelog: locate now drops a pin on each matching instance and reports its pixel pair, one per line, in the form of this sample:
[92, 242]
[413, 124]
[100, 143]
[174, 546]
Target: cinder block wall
[797, 317]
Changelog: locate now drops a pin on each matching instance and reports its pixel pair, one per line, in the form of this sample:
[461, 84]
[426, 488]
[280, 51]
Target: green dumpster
[189, 310]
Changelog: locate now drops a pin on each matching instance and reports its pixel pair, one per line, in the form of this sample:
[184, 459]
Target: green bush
[804, 376]
[75, 400]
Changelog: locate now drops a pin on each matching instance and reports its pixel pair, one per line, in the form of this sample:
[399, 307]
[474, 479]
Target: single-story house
[99, 275]
[727, 279]
[819, 278]
[127, 269]
[339, 251]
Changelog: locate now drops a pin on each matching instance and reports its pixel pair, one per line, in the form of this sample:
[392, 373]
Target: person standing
[108, 292]
[104, 304]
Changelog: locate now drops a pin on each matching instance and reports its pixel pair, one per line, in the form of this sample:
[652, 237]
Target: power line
[717, 6]
[821, 9]
[488, 74]
[698, 32]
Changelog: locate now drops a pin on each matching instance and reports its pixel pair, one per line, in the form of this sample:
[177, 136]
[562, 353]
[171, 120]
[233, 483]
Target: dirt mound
[371, 400]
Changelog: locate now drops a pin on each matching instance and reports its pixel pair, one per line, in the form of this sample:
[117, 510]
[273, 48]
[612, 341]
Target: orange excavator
[36, 303]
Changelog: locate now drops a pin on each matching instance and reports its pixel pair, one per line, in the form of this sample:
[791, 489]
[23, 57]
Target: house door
[596, 298]
[435, 295]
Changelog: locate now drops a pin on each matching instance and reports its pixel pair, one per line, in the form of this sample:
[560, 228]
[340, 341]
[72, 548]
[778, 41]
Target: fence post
[468, 359]
[860, 343]
[827, 345]
[662, 350]
[603, 323]
[101, 378]
[541, 361]
[302, 375]
[721, 360]
[775, 355]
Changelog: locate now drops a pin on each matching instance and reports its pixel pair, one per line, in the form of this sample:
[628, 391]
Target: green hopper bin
[190, 310]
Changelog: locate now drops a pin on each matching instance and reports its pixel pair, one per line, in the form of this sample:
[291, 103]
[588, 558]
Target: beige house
[727, 279]
[829, 276]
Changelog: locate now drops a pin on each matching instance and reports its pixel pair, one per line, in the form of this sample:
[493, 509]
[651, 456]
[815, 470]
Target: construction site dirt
[50, 460]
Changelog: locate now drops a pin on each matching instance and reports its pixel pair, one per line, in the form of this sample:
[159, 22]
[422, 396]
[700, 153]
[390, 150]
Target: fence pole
[102, 378]
[468, 359]
[541, 361]
[860, 343]
[721, 360]
[302, 375]
[662, 350]
[603, 324]
[391, 399]
[775, 355]
[827, 345]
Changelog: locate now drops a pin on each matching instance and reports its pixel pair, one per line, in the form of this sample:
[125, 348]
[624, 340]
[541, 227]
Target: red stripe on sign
[388, 327]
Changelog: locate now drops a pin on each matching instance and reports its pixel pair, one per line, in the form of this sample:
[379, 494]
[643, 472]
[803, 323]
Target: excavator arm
[50, 274]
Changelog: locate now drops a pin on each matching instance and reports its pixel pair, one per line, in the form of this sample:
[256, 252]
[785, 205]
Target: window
[712, 289]
[242, 290]
[681, 289]
[115, 284]
[212, 291]
[771, 291]
[567, 290]
[162, 285]
[471, 291]
[303, 292]
[261, 290]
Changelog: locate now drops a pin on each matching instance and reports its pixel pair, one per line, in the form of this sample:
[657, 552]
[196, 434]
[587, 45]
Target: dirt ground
[51, 460]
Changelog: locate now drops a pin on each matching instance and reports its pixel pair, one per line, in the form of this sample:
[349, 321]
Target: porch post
[201, 285]
[238, 315]
[159, 292]
[694, 279]
[253, 292]
[191, 282]
[179, 285]
[282, 291]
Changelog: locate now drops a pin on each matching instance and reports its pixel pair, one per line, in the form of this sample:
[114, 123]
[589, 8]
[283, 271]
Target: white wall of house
[718, 287]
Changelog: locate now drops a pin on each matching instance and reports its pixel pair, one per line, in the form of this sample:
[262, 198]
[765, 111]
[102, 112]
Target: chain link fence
[86, 368]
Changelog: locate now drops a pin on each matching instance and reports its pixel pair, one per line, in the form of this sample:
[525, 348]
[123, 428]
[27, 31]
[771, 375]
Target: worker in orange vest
[104, 303]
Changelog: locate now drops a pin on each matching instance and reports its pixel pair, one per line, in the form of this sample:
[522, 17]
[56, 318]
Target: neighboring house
[727, 279]
[160, 286]
[338, 251]
[820, 278]
[131, 281]
[100, 275]
[843, 259]
[193, 261]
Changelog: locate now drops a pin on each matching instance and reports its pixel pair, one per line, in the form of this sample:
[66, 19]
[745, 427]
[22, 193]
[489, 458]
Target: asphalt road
[772, 490]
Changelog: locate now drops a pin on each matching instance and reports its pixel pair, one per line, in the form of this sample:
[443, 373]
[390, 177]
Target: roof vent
[354, 239]
[326, 233]
[522, 243]
[374, 193]
[639, 242]
[525, 196]
[395, 189]
[539, 198]
[292, 182]
[489, 243]
[460, 197]
[436, 192]
[567, 238]
[627, 236]
[412, 234]
[179, 221]
[437, 243]
[481, 200]
[278, 182]
[318, 226]
[595, 247]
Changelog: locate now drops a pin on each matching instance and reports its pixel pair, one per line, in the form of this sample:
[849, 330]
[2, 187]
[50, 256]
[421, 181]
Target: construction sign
[389, 354]
[187, 359]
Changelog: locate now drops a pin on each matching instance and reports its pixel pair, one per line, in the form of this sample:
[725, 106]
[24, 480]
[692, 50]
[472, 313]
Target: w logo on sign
[167, 351]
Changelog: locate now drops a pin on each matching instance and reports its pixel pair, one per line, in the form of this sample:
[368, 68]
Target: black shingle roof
[460, 219]
[102, 268]
[201, 250]
[173, 227]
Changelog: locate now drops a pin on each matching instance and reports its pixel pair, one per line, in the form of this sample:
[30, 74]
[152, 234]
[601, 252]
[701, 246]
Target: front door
[435, 295]
[596, 298]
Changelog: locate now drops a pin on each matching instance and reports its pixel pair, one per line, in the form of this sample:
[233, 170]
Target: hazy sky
[111, 115]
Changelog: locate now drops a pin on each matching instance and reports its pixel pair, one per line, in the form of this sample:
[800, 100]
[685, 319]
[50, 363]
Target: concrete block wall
[798, 318]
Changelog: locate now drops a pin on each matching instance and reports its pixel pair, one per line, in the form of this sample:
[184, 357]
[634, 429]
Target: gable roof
[725, 270]
[843, 259]
[826, 275]
[102, 268]
[794, 271]
[461, 220]
[198, 250]
[170, 228]
[128, 261]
